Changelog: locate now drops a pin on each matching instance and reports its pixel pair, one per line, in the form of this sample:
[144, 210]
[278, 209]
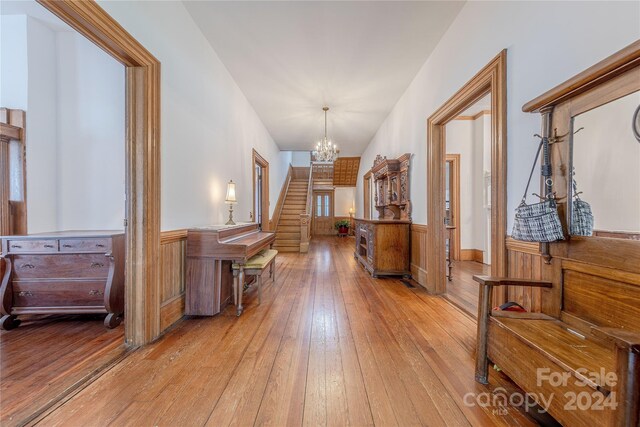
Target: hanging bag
[581, 215]
[538, 222]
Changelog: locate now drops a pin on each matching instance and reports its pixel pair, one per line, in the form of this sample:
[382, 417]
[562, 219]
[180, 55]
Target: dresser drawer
[22, 246]
[58, 293]
[85, 245]
[70, 266]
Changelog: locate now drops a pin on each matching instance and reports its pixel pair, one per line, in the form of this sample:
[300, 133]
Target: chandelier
[325, 150]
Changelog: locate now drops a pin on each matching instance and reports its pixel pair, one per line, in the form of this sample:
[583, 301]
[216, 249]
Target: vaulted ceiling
[290, 58]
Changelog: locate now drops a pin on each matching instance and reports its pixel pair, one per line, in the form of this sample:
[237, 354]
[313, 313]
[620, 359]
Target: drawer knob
[97, 264]
[16, 246]
[25, 294]
[99, 245]
[95, 292]
[66, 245]
[27, 266]
[49, 246]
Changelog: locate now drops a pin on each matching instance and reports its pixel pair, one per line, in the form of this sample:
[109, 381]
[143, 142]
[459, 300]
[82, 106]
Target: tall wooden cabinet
[383, 245]
[391, 178]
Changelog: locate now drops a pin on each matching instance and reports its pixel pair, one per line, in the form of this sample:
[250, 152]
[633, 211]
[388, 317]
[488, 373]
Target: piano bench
[254, 266]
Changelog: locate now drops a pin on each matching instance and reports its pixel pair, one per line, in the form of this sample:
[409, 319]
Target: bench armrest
[505, 281]
[627, 340]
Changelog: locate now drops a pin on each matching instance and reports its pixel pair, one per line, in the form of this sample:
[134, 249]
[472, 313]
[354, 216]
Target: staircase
[288, 227]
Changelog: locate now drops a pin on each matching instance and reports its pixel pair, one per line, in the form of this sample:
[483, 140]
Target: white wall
[42, 155]
[208, 126]
[547, 42]
[343, 200]
[13, 61]
[73, 95]
[300, 158]
[91, 136]
[607, 163]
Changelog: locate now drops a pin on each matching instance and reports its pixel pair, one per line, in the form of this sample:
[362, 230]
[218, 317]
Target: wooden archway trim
[142, 283]
[491, 79]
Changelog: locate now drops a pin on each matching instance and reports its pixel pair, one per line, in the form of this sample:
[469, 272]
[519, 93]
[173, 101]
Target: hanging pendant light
[325, 150]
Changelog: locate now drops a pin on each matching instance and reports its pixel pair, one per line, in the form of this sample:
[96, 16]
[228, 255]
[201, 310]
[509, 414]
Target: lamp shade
[231, 192]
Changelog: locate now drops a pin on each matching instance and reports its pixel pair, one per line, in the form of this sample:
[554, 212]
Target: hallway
[329, 345]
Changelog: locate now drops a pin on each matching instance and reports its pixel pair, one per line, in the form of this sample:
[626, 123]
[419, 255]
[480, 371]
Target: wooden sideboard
[383, 246]
[71, 272]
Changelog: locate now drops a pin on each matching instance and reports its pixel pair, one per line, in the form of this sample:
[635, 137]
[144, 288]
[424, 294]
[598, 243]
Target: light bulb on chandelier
[325, 150]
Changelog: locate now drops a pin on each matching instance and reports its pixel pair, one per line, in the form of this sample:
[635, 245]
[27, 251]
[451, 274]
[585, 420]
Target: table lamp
[231, 199]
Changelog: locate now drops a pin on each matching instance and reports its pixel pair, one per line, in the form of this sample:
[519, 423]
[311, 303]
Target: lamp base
[230, 222]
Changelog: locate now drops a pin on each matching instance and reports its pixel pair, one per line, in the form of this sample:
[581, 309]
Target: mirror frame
[608, 95]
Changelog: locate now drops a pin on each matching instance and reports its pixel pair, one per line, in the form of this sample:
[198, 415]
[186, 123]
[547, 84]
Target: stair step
[281, 236]
[288, 228]
[288, 249]
[288, 242]
[290, 216]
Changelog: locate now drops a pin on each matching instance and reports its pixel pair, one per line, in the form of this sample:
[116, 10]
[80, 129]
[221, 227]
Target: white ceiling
[292, 58]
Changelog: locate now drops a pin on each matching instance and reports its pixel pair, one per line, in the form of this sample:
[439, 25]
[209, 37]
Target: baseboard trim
[419, 274]
[471, 255]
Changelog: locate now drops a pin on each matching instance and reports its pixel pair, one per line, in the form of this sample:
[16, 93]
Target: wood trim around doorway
[366, 187]
[491, 79]
[454, 159]
[257, 159]
[142, 182]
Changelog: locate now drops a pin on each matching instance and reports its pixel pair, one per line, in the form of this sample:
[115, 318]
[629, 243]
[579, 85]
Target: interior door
[323, 213]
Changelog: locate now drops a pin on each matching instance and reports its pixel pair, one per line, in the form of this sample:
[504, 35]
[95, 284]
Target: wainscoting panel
[524, 262]
[172, 276]
[419, 253]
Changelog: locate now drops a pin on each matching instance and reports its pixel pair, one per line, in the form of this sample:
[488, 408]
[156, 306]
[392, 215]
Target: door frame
[454, 196]
[257, 159]
[366, 187]
[331, 210]
[142, 154]
[491, 79]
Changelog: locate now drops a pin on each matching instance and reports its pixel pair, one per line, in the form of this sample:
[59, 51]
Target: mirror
[605, 158]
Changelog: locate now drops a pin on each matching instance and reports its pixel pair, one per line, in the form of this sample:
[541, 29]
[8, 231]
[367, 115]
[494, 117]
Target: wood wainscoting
[172, 276]
[419, 253]
[524, 261]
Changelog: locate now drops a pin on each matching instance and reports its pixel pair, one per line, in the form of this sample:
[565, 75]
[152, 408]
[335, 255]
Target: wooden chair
[255, 266]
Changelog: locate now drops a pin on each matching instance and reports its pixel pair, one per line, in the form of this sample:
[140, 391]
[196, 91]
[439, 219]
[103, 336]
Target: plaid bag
[581, 215]
[538, 222]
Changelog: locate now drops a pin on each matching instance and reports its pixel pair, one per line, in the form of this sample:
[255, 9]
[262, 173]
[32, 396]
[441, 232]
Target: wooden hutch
[383, 244]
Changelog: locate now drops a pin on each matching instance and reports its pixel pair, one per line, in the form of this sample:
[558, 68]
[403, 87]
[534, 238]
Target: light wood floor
[47, 355]
[462, 290]
[329, 345]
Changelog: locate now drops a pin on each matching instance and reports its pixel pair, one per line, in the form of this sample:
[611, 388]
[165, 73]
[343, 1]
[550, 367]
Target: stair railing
[305, 218]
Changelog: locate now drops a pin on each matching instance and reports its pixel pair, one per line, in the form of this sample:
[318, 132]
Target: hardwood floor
[462, 290]
[49, 355]
[329, 345]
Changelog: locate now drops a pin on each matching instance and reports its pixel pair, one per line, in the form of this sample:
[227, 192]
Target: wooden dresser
[64, 272]
[383, 246]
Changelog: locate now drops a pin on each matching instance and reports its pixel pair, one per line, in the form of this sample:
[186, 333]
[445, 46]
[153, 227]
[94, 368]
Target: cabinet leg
[112, 320]
[8, 322]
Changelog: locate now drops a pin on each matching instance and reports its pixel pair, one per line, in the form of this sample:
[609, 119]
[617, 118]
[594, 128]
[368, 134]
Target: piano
[210, 253]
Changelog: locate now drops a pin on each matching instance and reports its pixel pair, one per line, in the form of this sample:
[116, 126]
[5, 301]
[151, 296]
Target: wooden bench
[586, 359]
[255, 266]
